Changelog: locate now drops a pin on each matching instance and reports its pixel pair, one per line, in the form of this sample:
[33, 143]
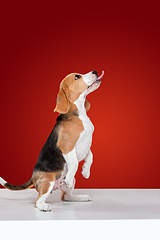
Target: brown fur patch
[62, 105]
[62, 194]
[87, 105]
[71, 127]
[41, 181]
[70, 90]
[69, 133]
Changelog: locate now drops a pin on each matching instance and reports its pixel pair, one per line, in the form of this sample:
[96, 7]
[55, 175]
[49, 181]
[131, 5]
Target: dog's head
[74, 85]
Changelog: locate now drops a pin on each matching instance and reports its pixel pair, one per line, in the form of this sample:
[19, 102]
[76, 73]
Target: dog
[68, 143]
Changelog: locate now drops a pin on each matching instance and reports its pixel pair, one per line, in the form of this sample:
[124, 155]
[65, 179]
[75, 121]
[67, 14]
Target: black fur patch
[51, 158]
[63, 117]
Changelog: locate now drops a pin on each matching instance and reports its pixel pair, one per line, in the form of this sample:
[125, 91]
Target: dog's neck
[80, 104]
[76, 109]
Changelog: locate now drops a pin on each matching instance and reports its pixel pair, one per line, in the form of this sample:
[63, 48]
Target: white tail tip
[2, 181]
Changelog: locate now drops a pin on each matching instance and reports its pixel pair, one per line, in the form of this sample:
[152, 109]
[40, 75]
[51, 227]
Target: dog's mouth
[98, 80]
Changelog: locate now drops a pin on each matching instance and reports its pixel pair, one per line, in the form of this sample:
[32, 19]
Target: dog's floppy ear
[87, 105]
[62, 105]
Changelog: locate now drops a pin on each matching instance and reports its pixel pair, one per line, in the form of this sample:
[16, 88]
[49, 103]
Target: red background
[41, 44]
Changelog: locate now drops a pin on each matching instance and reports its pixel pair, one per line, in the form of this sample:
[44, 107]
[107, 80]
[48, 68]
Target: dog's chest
[85, 140]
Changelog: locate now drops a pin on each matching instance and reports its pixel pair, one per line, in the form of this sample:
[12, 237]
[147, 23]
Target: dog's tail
[24, 186]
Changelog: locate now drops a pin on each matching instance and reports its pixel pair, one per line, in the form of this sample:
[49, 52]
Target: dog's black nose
[95, 72]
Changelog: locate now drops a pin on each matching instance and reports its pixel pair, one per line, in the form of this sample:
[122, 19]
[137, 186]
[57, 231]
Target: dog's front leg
[72, 165]
[87, 164]
[67, 195]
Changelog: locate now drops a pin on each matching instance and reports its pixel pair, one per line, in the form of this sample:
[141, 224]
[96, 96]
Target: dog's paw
[69, 181]
[84, 198]
[44, 207]
[85, 172]
[77, 198]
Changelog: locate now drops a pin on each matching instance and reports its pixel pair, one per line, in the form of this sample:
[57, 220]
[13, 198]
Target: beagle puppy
[68, 143]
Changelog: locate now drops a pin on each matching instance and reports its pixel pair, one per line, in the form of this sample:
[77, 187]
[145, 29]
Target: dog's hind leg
[44, 186]
[66, 195]
[43, 194]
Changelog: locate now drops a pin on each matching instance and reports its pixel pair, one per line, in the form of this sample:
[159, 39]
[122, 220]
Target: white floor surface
[107, 204]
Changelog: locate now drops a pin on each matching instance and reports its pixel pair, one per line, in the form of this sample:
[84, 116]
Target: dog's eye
[77, 76]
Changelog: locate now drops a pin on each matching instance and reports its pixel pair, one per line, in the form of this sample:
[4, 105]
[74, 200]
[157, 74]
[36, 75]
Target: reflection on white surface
[107, 204]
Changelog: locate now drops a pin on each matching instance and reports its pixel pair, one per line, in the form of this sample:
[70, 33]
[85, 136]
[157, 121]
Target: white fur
[72, 165]
[85, 140]
[2, 181]
[74, 198]
[87, 164]
[89, 78]
[40, 204]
